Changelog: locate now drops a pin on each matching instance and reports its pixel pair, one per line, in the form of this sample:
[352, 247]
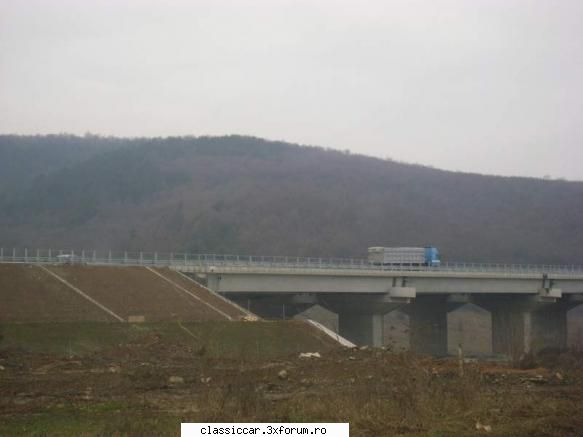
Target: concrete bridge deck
[272, 264]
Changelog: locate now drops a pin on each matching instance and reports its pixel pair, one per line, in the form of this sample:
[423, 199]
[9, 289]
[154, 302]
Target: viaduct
[528, 304]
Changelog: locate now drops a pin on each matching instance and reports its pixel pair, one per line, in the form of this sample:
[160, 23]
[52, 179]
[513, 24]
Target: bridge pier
[362, 321]
[428, 323]
[509, 327]
[548, 327]
[362, 329]
[428, 328]
[523, 324]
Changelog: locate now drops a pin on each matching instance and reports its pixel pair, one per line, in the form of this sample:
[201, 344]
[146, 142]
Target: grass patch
[241, 340]
[74, 338]
[106, 419]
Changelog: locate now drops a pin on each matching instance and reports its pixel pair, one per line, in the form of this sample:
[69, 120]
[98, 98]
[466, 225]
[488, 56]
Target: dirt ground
[152, 382]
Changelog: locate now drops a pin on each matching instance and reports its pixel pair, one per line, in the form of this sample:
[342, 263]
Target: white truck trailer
[408, 256]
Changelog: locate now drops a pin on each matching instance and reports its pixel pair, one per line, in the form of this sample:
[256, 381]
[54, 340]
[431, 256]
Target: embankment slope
[29, 293]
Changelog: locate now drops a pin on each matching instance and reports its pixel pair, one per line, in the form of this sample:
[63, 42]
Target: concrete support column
[362, 329]
[428, 325]
[361, 317]
[548, 328]
[509, 328]
[522, 324]
[214, 282]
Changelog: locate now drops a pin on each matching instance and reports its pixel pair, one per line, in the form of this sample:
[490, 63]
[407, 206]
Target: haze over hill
[246, 195]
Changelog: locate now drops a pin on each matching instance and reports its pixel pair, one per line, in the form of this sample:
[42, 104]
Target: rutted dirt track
[30, 294]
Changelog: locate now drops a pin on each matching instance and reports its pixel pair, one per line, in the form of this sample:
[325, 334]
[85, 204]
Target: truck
[404, 256]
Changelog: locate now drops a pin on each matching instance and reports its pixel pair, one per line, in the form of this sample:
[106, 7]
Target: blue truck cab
[432, 257]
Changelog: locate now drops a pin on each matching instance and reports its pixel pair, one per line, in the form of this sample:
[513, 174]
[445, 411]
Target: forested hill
[246, 195]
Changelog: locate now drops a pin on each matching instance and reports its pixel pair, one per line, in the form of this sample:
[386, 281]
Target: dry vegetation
[145, 380]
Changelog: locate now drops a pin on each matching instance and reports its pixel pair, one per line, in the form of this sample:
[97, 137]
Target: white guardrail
[67, 256]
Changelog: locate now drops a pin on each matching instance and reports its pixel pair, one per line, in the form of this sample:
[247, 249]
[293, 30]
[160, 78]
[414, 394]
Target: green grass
[106, 419]
[243, 341]
[65, 338]
[251, 340]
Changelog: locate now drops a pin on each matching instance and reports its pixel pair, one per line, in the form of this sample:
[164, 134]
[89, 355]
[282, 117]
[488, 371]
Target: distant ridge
[240, 194]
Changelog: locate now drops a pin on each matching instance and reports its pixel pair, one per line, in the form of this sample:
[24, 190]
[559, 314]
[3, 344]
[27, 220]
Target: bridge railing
[160, 259]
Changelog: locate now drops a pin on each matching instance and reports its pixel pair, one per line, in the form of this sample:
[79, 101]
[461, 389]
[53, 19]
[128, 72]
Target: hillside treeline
[246, 195]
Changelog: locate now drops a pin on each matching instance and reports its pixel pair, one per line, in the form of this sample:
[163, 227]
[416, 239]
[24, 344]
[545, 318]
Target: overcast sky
[492, 86]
